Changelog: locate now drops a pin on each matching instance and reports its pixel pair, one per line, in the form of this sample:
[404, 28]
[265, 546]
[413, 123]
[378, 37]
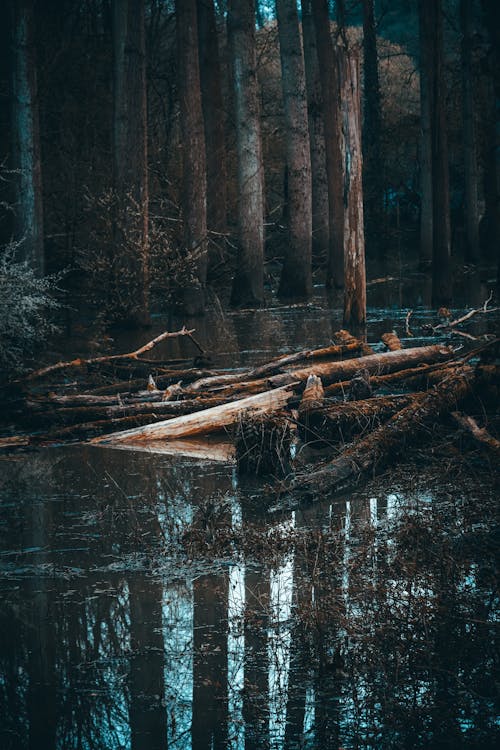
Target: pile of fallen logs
[363, 405]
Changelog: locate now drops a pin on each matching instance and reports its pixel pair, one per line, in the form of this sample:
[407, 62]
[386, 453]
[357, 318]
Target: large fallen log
[379, 364]
[277, 365]
[372, 452]
[340, 422]
[208, 420]
[414, 377]
[80, 414]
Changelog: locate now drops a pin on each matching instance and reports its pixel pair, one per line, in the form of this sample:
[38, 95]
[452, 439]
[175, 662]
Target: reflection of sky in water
[279, 638]
[178, 644]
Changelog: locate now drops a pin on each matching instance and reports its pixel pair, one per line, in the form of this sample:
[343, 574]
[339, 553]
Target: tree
[331, 125]
[247, 286]
[319, 182]
[194, 178]
[296, 279]
[431, 36]
[354, 239]
[426, 221]
[469, 137]
[130, 160]
[373, 188]
[26, 157]
[213, 116]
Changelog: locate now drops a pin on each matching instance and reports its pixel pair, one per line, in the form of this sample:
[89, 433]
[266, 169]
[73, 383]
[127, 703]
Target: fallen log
[81, 414]
[206, 421]
[372, 452]
[379, 364]
[340, 422]
[276, 365]
[391, 341]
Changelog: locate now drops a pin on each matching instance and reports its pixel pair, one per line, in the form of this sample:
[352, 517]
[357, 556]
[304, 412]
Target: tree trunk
[296, 279]
[194, 179]
[130, 165]
[469, 136]
[319, 182]
[426, 223]
[248, 284]
[207, 421]
[332, 129]
[213, 116]
[372, 173]
[331, 372]
[431, 29]
[372, 452]
[354, 239]
[28, 231]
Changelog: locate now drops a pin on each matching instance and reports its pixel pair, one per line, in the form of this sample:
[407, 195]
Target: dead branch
[81, 362]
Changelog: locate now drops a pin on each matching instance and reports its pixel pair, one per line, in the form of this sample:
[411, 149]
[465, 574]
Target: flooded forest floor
[158, 600]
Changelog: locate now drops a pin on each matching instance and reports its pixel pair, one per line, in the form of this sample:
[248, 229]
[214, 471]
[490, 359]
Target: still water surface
[149, 601]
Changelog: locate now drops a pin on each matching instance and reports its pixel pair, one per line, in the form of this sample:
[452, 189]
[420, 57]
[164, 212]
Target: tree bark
[469, 136]
[213, 116]
[373, 188]
[130, 161]
[319, 181]
[332, 130]
[28, 224]
[296, 278]
[248, 283]
[354, 237]
[426, 221]
[194, 178]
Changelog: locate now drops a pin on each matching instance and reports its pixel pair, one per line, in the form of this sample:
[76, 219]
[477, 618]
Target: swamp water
[151, 600]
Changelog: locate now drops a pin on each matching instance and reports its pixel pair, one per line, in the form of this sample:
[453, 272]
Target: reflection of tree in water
[168, 612]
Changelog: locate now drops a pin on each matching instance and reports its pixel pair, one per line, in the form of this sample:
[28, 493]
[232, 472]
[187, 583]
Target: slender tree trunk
[248, 282]
[213, 116]
[28, 229]
[296, 279]
[331, 122]
[432, 35]
[372, 172]
[426, 223]
[469, 136]
[319, 181]
[491, 179]
[130, 160]
[354, 239]
[194, 178]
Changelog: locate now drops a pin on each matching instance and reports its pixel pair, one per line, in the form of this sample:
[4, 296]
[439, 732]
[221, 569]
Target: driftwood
[80, 362]
[208, 420]
[372, 452]
[392, 341]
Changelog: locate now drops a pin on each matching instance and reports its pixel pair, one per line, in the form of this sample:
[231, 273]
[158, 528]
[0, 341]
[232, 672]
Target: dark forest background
[137, 132]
